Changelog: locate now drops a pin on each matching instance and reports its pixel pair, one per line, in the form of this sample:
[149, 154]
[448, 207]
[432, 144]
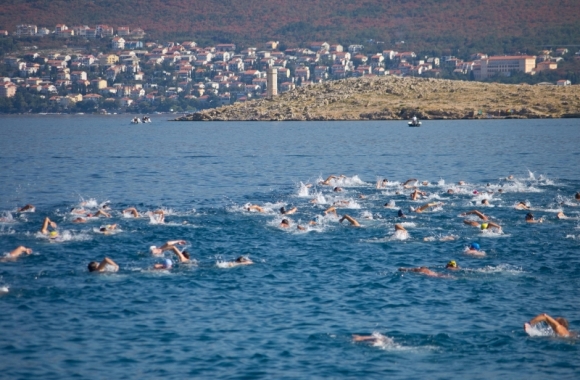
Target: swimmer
[559, 325]
[483, 226]
[352, 221]
[101, 212]
[577, 196]
[561, 215]
[166, 264]
[390, 204]
[425, 183]
[79, 211]
[108, 229]
[183, 257]
[522, 206]
[452, 265]
[428, 205]
[337, 189]
[382, 184]
[44, 230]
[474, 249]
[285, 223]
[362, 196]
[283, 211]
[133, 211]
[156, 251]
[26, 208]
[400, 232]
[485, 202]
[477, 213]
[407, 182]
[509, 178]
[461, 183]
[159, 216]
[450, 191]
[79, 220]
[423, 270]
[375, 338]
[331, 210]
[330, 178]
[400, 214]
[299, 227]
[530, 218]
[17, 252]
[415, 194]
[107, 265]
[341, 203]
[242, 260]
[254, 208]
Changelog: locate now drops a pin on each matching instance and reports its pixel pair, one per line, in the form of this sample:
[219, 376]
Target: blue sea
[293, 313]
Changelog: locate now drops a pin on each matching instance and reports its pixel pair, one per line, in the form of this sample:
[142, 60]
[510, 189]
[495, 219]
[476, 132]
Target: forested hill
[490, 25]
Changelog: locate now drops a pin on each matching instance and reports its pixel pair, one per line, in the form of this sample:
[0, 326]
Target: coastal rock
[395, 98]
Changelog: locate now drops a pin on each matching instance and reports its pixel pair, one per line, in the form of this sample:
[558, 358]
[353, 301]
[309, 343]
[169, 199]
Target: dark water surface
[293, 313]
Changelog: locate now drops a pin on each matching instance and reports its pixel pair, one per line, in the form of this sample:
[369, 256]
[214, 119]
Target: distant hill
[444, 26]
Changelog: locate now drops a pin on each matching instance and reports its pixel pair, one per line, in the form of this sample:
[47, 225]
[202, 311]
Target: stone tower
[272, 82]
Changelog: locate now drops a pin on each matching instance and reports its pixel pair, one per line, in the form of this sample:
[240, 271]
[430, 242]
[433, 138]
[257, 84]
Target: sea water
[293, 312]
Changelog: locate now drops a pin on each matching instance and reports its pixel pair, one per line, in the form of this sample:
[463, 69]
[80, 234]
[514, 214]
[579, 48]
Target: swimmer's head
[282, 210]
[53, 234]
[337, 189]
[242, 259]
[484, 226]
[530, 216]
[93, 266]
[451, 264]
[475, 192]
[400, 213]
[474, 246]
[562, 321]
[577, 196]
[185, 254]
[450, 191]
[284, 221]
[103, 229]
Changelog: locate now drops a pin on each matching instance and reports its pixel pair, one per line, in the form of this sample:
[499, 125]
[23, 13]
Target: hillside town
[135, 75]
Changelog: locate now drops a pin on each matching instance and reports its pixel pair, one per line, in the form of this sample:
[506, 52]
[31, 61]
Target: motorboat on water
[414, 122]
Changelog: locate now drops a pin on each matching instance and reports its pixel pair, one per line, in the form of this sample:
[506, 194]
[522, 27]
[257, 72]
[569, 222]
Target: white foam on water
[540, 329]
[303, 191]
[7, 217]
[4, 290]
[65, 235]
[501, 268]
[89, 203]
[400, 235]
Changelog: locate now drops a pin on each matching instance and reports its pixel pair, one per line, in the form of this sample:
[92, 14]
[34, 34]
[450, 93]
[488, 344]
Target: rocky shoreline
[394, 98]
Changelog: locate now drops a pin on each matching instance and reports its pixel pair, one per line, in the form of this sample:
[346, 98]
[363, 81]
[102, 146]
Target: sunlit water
[291, 314]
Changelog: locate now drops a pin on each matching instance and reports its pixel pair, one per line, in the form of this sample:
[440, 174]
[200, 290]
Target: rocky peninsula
[394, 98]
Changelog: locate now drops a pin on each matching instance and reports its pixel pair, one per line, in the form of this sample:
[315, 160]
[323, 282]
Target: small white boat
[414, 124]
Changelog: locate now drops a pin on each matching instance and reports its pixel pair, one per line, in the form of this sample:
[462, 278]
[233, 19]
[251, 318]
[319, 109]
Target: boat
[415, 122]
[135, 120]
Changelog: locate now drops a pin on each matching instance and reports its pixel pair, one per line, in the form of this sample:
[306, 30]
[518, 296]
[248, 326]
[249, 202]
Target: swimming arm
[104, 263]
[554, 324]
[479, 214]
[350, 219]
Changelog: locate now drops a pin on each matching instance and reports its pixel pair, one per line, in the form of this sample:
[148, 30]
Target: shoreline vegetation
[394, 98]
